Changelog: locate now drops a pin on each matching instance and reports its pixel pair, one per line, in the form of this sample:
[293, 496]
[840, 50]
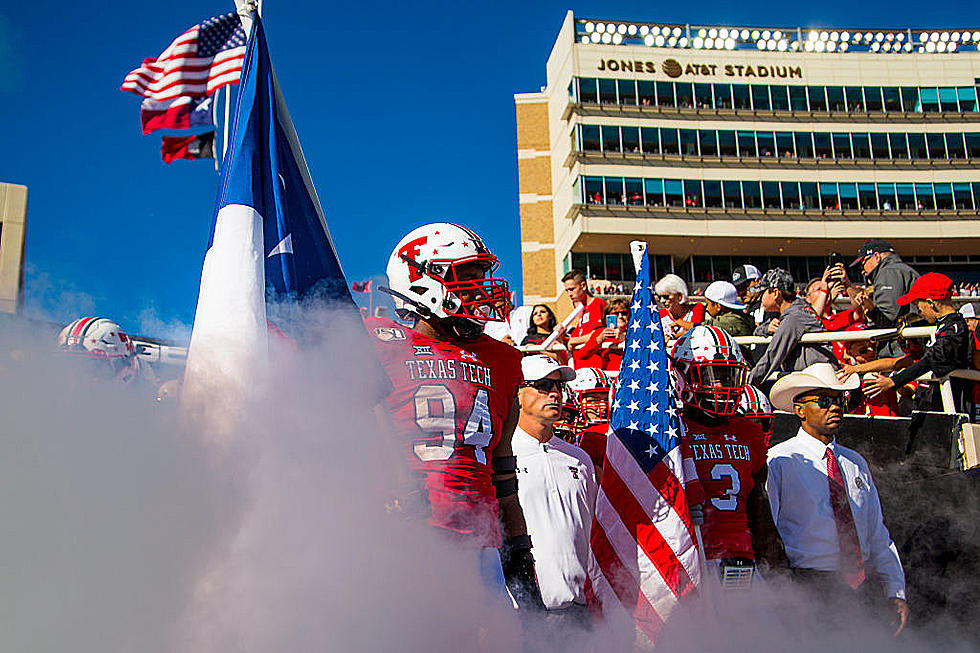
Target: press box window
[610, 138]
[590, 138]
[587, 92]
[631, 139]
[607, 91]
[593, 191]
[651, 140]
[653, 190]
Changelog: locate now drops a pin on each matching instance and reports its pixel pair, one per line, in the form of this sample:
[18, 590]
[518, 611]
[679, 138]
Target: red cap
[931, 285]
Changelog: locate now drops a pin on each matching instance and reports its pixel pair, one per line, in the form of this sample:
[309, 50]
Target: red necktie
[851, 564]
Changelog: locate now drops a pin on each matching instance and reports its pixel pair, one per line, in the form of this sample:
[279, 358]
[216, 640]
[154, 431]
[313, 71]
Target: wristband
[823, 290]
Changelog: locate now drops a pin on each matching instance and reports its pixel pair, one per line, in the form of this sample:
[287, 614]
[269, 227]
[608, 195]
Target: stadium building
[721, 145]
[13, 220]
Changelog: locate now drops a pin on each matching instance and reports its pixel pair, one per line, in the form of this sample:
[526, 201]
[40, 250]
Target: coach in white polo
[557, 490]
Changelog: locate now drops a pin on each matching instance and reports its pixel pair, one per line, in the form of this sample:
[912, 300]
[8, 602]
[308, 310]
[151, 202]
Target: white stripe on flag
[645, 574]
[229, 345]
[670, 525]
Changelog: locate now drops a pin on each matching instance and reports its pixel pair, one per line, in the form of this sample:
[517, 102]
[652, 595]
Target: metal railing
[945, 389]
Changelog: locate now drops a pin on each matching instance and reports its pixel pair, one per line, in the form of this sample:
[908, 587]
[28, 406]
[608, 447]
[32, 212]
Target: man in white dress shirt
[823, 498]
[557, 487]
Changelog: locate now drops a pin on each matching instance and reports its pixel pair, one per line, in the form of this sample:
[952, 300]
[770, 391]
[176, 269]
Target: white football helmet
[755, 405]
[713, 369]
[102, 341]
[592, 385]
[427, 282]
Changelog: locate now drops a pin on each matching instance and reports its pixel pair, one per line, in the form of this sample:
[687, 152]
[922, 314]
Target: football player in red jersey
[592, 385]
[454, 398]
[729, 456]
[755, 405]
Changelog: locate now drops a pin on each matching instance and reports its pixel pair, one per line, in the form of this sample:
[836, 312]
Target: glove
[697, 514]
[518, 566]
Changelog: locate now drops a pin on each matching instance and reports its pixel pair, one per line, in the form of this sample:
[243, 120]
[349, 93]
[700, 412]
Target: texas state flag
[182, 113]
[269, 240]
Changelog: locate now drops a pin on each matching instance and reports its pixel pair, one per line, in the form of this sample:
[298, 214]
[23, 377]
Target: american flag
[199, 62]
[644, 553]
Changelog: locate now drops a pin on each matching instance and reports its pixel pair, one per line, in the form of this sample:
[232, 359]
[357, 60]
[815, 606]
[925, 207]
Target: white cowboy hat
[816, 377]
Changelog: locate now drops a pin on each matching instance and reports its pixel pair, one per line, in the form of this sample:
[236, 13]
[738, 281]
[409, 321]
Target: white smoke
[123, 534]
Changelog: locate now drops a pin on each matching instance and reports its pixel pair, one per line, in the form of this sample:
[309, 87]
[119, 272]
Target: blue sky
[405, 112]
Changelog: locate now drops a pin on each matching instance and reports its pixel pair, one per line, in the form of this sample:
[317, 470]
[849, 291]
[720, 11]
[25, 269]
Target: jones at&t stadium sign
[674, 68]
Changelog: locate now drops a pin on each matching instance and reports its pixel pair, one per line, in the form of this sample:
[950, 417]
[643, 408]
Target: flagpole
[638, 249]
[225, 127]
[214, 119]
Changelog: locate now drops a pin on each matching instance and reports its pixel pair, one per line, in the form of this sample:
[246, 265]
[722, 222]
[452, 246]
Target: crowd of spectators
[773, 304]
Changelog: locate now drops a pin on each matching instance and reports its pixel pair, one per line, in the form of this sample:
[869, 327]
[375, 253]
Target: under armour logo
[730, 438]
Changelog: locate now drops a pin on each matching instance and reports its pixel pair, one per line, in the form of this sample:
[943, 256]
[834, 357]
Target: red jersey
[588, 321]
[727, 458]
[592, 441]
[449, 404]
[593, 354]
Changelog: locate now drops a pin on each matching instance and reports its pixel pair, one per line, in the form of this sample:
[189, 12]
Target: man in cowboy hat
[823, 498]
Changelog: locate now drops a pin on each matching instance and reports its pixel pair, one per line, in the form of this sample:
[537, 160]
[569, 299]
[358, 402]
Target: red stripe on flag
[647, 537]
[623, 582]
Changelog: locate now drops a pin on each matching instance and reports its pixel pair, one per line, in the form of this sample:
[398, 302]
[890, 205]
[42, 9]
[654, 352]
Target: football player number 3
[729, 500]
[435, 414]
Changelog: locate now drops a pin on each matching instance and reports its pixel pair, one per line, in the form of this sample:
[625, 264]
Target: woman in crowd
[676, 314]
[604, 348]
[543, 324]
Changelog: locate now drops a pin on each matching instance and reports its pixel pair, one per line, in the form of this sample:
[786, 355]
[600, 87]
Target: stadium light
[595, 38]
[934, 37]
[907, 47]
[951, 47]
[831, 46]
[976, 36]
[923, 37]
[820, 46]
[889, 37]
[766, 34]
[900, 37]
[808, 46]
[644, 30]
[944, 37]
[710, 43]
[607, 38]
[677, 31]
[723, 33]
[729, 43]
[777, 35]
[760, 44]
[954, 37]
[617, 38]
[672, 41]
[794, 46]
[600, 27]
[845, 36]
[660, 40]
[655, 30]
[648, 40]
[782, 45]
[697, 43]
[682, 42]
[744, 34]
[631, 30]
[843, 46]
[931, 46]
[756, 34]
[834, 36]
[824, 36]
[713, 33]
[941, 46]
[590, 27]
[702, 32]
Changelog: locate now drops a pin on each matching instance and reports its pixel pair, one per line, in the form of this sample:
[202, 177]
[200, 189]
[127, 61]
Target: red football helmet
[104, 348]
[592, 386]
[713, 370]
[424, 273]
[755, 405]
[567, 428]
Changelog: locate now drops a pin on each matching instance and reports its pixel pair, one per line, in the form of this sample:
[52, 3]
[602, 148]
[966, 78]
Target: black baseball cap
[778, 279]
[744, 273]
[870, 247]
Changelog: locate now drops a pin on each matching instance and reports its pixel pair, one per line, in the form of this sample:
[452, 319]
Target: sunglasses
[666, 298]
[825, 401]
[625, 314]
[545, 386]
